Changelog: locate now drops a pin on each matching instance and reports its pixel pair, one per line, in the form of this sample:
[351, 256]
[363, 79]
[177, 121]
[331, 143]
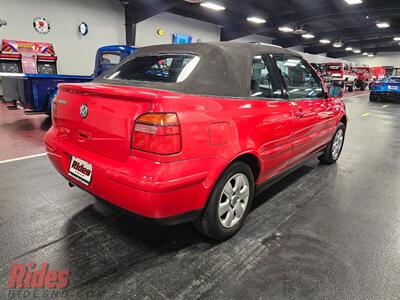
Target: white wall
[76, 54]
[381, 59]
[146, 31]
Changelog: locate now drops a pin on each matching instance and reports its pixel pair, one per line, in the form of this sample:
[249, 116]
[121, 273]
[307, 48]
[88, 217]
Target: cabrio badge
[84, 111]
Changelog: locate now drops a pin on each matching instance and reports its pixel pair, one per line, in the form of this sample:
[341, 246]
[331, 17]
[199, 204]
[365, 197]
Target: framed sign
[41, 25]
[178, 38]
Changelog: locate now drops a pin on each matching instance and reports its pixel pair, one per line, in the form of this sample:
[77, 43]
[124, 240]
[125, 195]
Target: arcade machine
[18, 58]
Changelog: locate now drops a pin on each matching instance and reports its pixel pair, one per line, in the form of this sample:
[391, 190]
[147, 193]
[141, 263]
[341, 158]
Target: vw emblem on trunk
[84, 111]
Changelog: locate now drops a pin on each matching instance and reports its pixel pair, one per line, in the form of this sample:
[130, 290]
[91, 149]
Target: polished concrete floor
[21, 135]
[324, 232]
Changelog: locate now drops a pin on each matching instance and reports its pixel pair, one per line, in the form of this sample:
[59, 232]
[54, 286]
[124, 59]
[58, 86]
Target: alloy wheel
[233, 200]
[337, 143]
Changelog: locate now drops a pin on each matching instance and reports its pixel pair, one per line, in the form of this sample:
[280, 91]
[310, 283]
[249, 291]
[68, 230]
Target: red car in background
[192, 132]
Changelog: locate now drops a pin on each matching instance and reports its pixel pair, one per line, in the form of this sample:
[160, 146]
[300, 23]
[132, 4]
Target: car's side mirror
[335, 92]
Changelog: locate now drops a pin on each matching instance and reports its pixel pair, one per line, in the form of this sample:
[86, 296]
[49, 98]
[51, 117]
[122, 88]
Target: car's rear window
[111, 58]
[156, 68]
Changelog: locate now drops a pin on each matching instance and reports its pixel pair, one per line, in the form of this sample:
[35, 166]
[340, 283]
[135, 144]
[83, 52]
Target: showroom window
[301, 82]
[157, 68]
[263, 83]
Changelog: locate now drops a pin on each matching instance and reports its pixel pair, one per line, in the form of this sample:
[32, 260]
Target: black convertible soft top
[223, 69]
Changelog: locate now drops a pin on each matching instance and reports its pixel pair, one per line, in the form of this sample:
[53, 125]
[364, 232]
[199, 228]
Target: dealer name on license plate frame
[80, 170]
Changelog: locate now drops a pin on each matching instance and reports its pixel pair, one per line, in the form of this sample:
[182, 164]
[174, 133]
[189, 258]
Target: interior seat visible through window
[262, 84]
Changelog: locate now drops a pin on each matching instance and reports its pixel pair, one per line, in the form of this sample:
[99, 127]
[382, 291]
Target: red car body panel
[214, 132]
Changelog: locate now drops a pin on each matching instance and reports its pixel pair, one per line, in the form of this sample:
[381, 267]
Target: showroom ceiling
[347, 26]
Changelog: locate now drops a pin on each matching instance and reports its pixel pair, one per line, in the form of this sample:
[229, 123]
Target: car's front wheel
[334, 149]
[229, 203]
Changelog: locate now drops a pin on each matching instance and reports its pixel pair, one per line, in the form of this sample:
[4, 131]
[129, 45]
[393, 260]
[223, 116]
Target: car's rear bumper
[388, 96]
[144, 187]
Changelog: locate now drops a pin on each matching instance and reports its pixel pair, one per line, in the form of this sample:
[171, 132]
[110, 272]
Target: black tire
[327, 157]
[350, 88]
[373, 98]
[209, 222]
[362, 88]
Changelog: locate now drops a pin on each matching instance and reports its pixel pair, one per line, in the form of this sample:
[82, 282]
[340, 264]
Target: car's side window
[263, 84]
[301, 81]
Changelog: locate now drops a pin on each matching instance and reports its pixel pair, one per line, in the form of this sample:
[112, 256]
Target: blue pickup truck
[35, 92]
[387, 89]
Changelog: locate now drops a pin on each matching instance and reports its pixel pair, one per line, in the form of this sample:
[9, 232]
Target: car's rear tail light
[158, 133]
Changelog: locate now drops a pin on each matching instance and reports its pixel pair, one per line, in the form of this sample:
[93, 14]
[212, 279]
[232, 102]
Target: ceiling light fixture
[383, 25]
[286, 29]
[396, 38]
[213, 6]
[365, 53]
[357, 51]
[338, 44]
[308, 36]
[299, 31]
[352, 2]
[256, 20]
[324, 41]
[370, 55]
[349, 49]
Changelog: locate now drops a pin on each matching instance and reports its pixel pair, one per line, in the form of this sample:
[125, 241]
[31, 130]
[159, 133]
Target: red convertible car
[192, 132]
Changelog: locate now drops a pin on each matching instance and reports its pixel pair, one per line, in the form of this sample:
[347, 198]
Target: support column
[130, 29]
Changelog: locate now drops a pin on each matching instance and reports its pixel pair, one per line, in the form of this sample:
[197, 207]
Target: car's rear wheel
[373, 98]
[334, 149]
[229, 203]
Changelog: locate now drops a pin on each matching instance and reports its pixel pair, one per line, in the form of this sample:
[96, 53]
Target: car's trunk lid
[100, 117]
